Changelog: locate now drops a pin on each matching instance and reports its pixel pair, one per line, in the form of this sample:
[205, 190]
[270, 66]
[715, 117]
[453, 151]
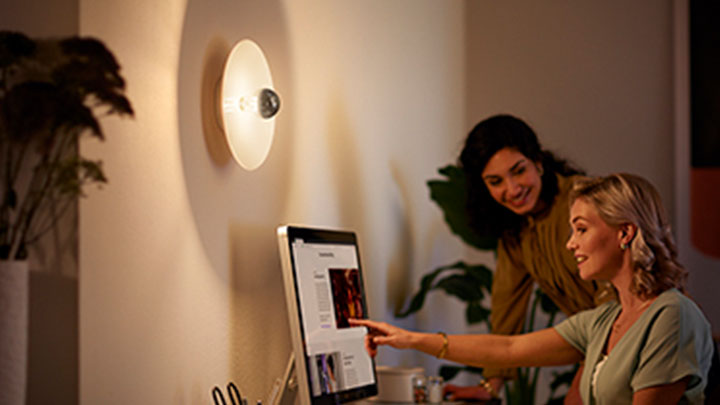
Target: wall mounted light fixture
[247, 104]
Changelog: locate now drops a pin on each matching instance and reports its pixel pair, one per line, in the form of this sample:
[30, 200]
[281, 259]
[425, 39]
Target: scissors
[233, 393]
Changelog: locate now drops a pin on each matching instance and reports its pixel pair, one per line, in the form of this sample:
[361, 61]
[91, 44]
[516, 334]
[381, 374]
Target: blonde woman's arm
[541, 348]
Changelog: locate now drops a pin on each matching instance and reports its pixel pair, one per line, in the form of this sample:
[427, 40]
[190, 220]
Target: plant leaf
[426, 284]
[477, 313]
[13, 46]
[92, 70]
[450, 195]
[546, 304]
[91, 51]
[469, 283]
[29, 110]
[564, 378]
[74, 117]
[86, 79]
[74, 172]
[461, 286]
[448, 372]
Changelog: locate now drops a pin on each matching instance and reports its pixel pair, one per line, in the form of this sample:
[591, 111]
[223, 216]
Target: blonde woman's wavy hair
[625, 198]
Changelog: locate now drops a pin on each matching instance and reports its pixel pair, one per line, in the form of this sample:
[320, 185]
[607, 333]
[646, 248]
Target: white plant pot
[14, 303]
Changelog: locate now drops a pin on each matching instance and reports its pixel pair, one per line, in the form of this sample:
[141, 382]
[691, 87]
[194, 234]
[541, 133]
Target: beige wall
[593, 78]
[704, 270]
[41, 18]
[180, 281]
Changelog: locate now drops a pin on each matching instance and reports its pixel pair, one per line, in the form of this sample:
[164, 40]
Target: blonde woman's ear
[627, 234]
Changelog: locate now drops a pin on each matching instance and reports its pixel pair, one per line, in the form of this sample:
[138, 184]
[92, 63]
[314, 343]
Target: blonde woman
[649, 345]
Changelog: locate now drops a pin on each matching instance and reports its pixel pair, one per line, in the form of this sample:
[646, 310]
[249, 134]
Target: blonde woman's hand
[381, 333]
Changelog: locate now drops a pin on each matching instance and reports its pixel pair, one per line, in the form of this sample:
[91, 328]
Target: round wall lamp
[247, 104]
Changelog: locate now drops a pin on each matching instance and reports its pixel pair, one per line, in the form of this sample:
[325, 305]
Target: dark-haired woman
[518, 192]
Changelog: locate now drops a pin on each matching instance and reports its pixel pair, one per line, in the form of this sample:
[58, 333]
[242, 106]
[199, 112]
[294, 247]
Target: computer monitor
[323, 289]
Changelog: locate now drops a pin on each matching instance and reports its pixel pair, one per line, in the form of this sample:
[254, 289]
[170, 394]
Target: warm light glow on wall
[247, 104]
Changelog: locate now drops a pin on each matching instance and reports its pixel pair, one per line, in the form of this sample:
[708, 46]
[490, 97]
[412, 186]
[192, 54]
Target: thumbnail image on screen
[327, 373]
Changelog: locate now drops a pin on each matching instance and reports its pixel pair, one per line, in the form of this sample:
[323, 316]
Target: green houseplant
[52, 92]
[472, 283]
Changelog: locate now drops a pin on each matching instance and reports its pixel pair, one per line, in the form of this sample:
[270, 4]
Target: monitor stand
[285, 389]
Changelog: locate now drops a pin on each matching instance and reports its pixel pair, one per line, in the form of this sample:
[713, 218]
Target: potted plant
[52, 92]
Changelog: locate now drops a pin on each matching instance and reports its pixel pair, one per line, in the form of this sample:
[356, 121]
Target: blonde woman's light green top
[670, 341]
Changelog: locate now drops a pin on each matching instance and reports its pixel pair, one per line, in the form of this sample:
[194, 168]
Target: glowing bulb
[266, 104]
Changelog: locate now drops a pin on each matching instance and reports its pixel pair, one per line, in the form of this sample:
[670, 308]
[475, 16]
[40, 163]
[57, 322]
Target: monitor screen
[324, 288]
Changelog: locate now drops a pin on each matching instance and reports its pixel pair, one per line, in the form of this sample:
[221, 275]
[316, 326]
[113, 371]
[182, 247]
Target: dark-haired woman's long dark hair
[487, 216]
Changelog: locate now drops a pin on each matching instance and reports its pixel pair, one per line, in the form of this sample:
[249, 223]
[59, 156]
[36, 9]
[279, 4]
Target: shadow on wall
[358, 187]
[346, 170]
[214, 59]
[399, 274]
[236, 211]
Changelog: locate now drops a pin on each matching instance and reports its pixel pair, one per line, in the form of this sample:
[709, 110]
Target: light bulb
[266, 104]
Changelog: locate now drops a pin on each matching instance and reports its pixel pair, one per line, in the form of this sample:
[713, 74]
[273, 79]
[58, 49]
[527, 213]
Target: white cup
[395, 384]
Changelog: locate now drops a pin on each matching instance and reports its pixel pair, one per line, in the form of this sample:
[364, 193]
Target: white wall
[180, 281]
[593, 78]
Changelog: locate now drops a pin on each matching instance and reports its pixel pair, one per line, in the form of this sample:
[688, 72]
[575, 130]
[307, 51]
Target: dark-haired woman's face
[513, 180]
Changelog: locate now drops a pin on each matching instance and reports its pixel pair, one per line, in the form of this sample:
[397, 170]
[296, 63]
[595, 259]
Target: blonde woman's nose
[570, 244]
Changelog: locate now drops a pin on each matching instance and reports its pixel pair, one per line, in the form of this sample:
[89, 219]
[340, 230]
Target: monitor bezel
[286, 235]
